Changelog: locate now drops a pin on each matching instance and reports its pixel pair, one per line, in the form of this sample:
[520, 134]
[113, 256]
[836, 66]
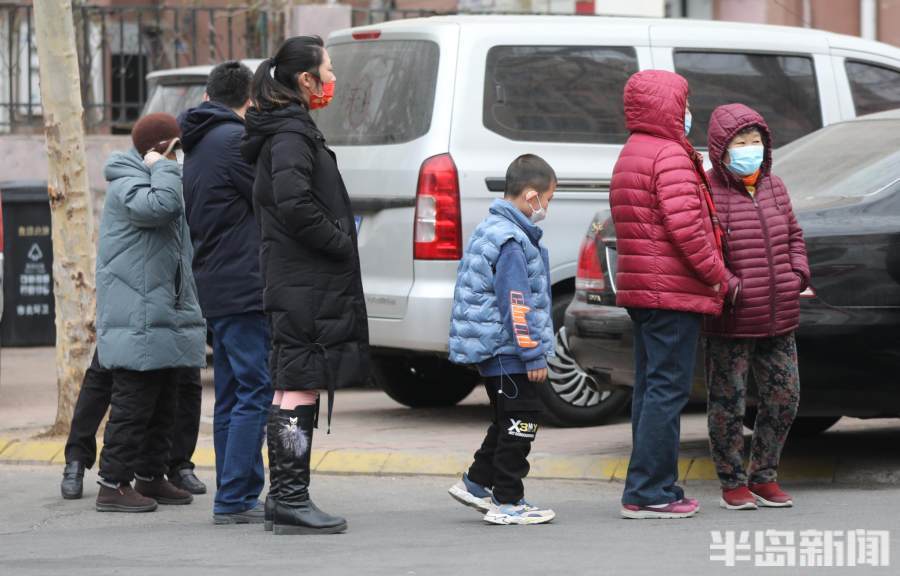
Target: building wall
[889, 21]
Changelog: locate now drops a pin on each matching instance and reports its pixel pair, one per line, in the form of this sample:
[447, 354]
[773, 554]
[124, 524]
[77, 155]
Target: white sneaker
[521, 513]
[471, 494]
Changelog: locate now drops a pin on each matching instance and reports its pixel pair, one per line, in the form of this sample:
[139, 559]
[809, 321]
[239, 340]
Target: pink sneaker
[681, 509]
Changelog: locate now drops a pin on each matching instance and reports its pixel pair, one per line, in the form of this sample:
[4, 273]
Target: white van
[429, 113]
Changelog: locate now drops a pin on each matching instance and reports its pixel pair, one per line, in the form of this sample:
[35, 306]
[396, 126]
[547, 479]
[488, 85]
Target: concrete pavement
[374, 435]
[409, 525]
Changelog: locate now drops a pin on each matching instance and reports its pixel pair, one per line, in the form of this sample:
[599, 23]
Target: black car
[844, 182]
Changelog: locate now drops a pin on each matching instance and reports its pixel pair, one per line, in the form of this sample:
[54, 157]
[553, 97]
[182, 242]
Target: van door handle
[495, 184]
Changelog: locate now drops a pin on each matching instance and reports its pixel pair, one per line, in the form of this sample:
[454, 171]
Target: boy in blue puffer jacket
[501, 323]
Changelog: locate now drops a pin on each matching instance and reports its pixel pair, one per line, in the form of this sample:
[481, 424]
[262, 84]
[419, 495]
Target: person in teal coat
[148, 318]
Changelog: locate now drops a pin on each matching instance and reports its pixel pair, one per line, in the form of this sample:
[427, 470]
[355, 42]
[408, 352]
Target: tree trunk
[70, 202]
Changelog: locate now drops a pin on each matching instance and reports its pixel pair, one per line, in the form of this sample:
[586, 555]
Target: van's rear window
[385, 92]
[176, 98]
[558, 93]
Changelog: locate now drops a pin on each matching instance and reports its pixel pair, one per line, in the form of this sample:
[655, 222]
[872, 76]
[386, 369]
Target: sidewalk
[372, 434]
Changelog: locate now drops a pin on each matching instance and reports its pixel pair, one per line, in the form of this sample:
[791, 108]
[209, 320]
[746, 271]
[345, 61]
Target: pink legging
[290, 399]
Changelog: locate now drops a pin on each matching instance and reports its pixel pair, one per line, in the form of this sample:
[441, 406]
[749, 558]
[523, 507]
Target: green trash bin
[29, 313]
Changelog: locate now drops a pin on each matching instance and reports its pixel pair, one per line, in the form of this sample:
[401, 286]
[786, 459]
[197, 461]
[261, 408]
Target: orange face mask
[319, 102]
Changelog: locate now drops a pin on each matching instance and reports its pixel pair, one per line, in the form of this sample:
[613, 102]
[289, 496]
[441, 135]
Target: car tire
[803, 427]
[571, 396]
[420, 382]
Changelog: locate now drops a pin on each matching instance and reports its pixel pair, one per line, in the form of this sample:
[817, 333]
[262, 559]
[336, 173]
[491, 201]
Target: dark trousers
[138, 436]
[241, 346]
[93, 402]
[502, 461]
[665, 348]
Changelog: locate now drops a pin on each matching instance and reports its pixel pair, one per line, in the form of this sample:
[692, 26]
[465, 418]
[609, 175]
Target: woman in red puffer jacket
[766, 257]
[670, 273]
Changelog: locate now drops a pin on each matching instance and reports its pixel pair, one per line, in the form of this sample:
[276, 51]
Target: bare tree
[70, 201]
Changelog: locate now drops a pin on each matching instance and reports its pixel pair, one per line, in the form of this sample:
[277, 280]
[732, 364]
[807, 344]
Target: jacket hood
[507, 210]
[261, 124]
[655, 101]
[124, 165]
[726, 121]
[196, 122]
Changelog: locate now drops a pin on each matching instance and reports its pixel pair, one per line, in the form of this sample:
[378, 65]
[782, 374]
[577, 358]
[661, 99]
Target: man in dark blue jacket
[218, 185]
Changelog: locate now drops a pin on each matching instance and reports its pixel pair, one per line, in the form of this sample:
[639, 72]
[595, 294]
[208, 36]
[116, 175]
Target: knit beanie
[155, 131]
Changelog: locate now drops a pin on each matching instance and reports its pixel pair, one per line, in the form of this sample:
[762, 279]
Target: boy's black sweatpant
[502, 461]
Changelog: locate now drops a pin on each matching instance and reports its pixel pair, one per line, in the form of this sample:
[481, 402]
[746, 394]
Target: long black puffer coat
[309, 256]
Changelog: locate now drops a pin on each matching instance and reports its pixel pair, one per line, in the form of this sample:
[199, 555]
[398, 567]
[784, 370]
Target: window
[175, 98]
[781, 88]
[385, 92]
[848, 159]
[874, 88]
[558, 93]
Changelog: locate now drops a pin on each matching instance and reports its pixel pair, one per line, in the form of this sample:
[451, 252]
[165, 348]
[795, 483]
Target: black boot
[73, 480]
[294, 511]
[274, 471]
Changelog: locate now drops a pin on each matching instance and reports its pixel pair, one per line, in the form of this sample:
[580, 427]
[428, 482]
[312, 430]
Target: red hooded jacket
[764, 248]
[668, 254]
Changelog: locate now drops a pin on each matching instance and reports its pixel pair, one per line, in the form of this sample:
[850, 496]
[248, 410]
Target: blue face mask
[688, 120]
[746, 160]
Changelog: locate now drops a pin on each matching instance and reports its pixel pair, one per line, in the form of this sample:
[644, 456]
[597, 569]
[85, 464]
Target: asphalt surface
[409, 526]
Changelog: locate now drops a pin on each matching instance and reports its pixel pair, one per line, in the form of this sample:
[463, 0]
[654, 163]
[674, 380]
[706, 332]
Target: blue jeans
[241, 346]
[665, 348]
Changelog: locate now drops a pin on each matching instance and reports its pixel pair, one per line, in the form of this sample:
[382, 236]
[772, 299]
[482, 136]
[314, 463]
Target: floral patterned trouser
[773, 363]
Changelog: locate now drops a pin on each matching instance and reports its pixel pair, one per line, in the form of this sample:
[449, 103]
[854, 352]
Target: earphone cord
[504, 375]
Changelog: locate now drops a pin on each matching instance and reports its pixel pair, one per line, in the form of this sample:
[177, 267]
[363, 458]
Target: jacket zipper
[765, 228]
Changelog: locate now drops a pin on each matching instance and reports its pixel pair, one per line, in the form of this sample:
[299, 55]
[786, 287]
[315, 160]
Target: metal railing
[118, 46]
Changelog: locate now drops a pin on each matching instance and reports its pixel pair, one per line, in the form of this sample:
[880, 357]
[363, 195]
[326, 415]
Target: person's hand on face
[152, 157]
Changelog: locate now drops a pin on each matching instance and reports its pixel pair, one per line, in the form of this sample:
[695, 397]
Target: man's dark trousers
[93, 402]
[502, 461]
[665, 347]
[138, 436]
[241, 347]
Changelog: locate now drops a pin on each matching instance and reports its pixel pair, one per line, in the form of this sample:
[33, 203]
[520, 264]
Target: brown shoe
[123, 499]
[163, 491]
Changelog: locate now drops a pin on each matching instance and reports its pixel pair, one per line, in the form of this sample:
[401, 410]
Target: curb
[387, 463]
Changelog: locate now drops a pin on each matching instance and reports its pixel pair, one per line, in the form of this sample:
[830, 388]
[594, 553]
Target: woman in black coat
[310, 265]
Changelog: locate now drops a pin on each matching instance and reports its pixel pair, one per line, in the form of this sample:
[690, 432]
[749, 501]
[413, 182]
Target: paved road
[407, 526]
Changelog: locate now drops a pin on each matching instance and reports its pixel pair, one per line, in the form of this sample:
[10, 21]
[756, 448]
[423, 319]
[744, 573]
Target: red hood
[725, 122]
[655, 101]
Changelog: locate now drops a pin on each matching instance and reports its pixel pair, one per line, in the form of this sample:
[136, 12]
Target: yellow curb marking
[5, 443]
[353, 461]
[400, 463]
[204, 458]
[806, 469]
[701, 469]
[31, 451]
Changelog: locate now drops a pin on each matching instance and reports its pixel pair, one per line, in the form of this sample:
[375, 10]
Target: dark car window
[385, 92]
[850, 159]
[781, 88]
[558, 93]
[874, 88]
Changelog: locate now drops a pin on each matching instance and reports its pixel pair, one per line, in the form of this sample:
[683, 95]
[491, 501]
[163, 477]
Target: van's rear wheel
[572, 397]
[423, 381]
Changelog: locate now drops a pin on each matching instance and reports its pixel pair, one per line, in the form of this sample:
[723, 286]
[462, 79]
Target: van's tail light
[438, 225]
[368, 35]
[589, 279]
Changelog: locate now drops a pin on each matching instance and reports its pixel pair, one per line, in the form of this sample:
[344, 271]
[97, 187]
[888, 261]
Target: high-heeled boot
[295, 512]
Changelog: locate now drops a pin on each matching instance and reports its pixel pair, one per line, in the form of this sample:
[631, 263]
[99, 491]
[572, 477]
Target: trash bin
[29, 313]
